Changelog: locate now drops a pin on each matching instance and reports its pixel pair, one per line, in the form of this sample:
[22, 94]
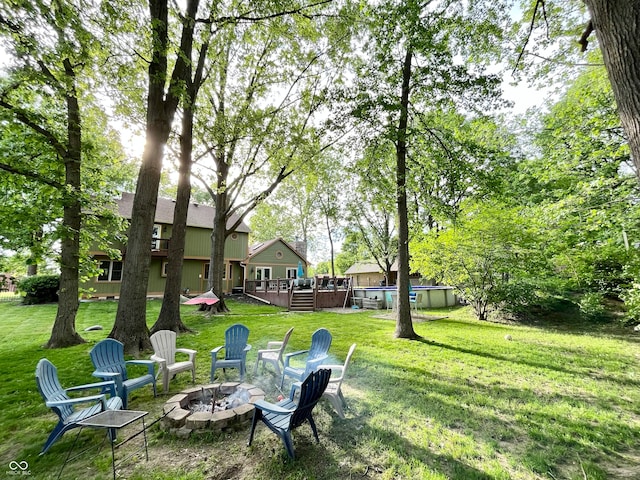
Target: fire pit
[216, 406]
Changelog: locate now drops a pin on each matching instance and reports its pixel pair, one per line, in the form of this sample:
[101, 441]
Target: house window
[279, 254]
[111, 271]
[157, 234]
[263, 274]
[230, 271]
[292, 272]
[206, 271]
[234, 236]
[163, 272]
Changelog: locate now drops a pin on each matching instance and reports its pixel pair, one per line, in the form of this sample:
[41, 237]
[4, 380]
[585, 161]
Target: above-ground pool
[384, 297]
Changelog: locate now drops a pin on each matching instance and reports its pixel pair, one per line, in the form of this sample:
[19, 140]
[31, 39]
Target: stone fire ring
[181, 421]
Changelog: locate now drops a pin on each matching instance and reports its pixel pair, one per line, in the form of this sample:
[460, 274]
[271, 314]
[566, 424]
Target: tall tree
[413, 67]
[618, 31]
[52, 46]
[264, 90]
[163, 95]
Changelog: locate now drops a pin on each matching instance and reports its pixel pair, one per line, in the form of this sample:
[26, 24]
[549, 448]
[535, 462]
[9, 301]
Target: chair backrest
[412, 297]
[285, 340]
[108, 356]
[164, 345]
[50, 388]
[320, 343]
[235, 339]
[310, 392]
[346, 364]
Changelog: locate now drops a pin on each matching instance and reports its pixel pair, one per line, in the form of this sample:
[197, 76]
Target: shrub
[40, 289]
[631, 299]
[591, 305]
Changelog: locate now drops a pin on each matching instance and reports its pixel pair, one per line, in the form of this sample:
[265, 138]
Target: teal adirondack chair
[315, 356]
[66, 408]
[284, 416]
[108, 360]
[235, 350]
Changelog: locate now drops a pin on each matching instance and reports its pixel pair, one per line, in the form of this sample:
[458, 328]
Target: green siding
[270, 258]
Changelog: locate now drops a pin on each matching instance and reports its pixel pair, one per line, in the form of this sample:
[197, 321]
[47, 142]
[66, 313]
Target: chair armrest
[316, 363]
[73, 401]
[157, 358]
[188, 351]
[287, 356]
[215, 351]
[100, 374]
[148, 363]
[271, 407]
[276, 345]
[110, 384]
[247, 348]
[294, 387]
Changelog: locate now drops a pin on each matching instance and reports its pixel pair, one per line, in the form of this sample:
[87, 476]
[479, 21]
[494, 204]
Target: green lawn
[463, 403]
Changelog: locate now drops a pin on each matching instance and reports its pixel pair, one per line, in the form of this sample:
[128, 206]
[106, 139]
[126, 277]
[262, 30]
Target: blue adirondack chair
[316, 354]
[65, 407]
[284, 416]
[235, 350]
[107, 357]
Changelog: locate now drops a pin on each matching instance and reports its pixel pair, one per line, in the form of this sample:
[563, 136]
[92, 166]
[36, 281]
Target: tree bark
[617, 26]
[404, 323]
[218, 237]
[64, 332]
[130, 326]
[169, 317]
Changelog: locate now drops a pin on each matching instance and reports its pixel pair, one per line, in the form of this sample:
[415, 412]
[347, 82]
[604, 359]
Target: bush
[40, 289]
[591, 305]
[631, 299]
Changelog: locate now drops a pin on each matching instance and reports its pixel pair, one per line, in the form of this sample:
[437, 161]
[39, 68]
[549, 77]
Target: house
[369, 274]
[195, 270]
[274, 260]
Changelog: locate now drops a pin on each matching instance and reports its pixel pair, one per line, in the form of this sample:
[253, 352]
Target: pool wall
[428, 296]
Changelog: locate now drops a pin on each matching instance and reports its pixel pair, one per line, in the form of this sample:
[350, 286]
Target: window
[163, 272]
[279, 254]
[206, 271]
[263, 275]
[155, 239]
[292, 272]
[111, 271]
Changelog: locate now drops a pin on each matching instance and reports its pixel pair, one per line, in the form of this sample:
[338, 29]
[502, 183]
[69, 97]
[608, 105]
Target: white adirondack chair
[273, 354]
[164, 348]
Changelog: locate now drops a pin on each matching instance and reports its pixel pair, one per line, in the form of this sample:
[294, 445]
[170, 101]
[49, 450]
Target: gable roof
[262, 246]
[368, 267]
[200, 216]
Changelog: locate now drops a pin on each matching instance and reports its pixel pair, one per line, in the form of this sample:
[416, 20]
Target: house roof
[368, 267]
[200, 216]
[262, 246]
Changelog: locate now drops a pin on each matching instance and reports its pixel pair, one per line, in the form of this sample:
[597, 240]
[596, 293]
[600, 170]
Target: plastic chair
[284, 416]
[333, 391]
[57, 399]
[164, 354]
[273, 354]
[317, 353]
[235, 350]
[107, 357]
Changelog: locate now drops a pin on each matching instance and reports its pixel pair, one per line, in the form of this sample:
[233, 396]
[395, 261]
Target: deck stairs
[302, 301]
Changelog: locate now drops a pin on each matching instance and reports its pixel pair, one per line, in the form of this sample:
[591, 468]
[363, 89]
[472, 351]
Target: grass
[463, 403]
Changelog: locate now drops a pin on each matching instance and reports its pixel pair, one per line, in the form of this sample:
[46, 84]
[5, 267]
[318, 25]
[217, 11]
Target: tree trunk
[64, 332]
[404, 324]
[169, 317]
[218, 237]
[130, 326]
[617, 27]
